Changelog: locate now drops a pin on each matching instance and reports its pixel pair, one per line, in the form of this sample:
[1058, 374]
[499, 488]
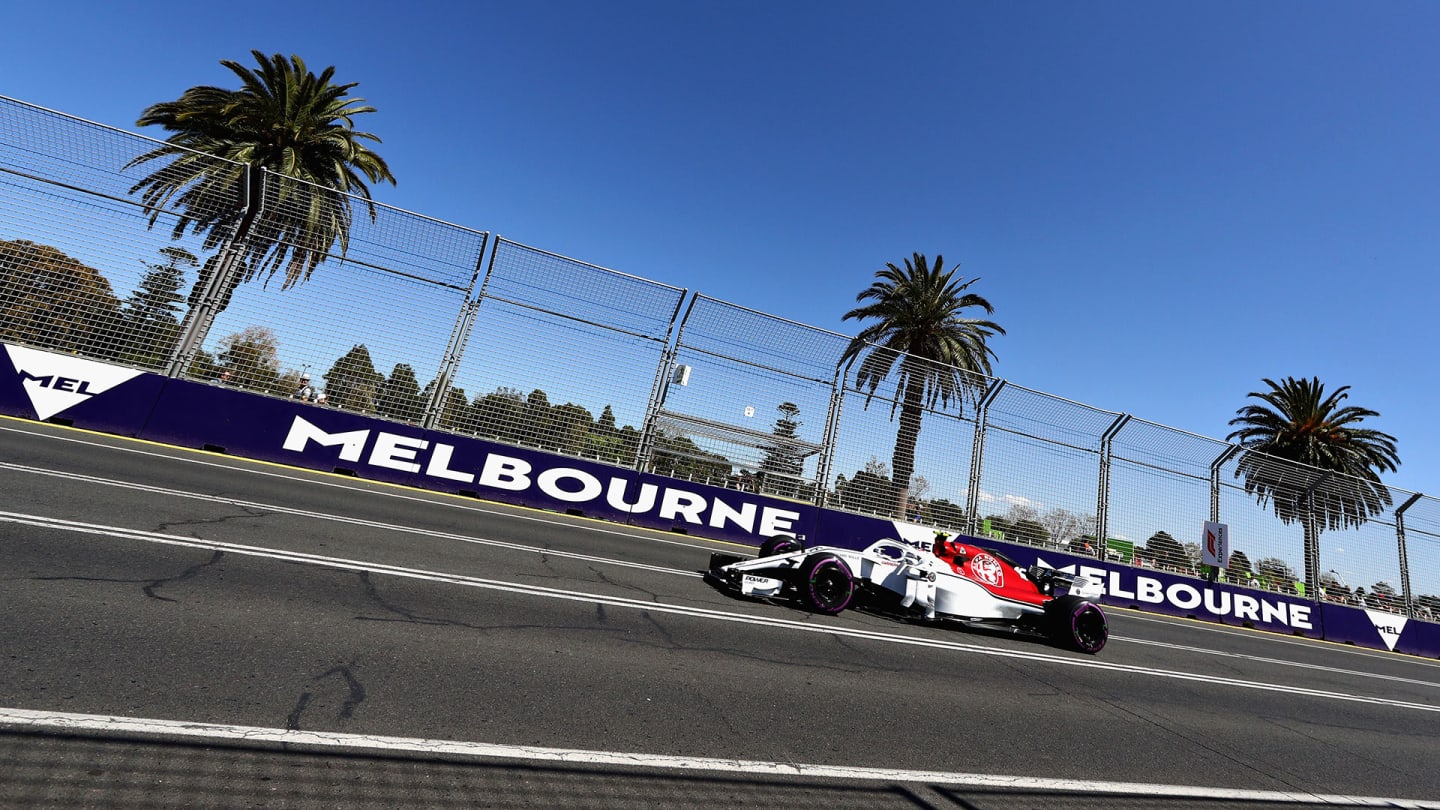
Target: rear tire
[780, 544]
[1077, 624]
[825, 584]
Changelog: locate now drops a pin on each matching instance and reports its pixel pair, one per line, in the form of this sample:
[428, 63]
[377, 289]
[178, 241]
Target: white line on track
[1279, 662]
[322, 479]
[694, 612]
[139, 728]
[373, 524]
[278, 509]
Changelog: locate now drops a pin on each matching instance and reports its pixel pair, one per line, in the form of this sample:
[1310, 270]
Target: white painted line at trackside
[1281, 662]
[1285, 641]
[389, 490]
[693, 612]
[23, 720]
[392, 527]
[385, 489]
[278, 509]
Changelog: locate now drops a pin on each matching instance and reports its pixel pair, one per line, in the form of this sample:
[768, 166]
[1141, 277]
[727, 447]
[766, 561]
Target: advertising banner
[66, 389]
[1215, 545]
[319, 438]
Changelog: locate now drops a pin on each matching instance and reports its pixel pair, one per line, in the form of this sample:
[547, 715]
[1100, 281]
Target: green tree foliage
[157, 298]
[150, 313]
[679, 457]
[1030, 532]
[1275, 573]
[51, 300]
[867, 491]
[455, 411]
[538, 420]
[205, 367]
[947, 515]
[399, 396]
[606, 442]
[1296, 421]
[252, 356]
[1166, 553]
[283, 118]
[1335, 589]
[917, 319]
[353, 383]
[500, 415]
[1240, 569]
[570, 427]
[1022, 524]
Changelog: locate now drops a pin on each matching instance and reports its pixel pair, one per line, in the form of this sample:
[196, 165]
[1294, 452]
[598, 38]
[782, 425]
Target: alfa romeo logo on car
[987, 569]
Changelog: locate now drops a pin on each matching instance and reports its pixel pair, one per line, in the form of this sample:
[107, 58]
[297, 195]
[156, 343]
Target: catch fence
[125, 249]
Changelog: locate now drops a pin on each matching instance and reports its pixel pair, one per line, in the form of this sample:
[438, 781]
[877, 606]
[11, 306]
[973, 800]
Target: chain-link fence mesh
[562, 355]
[746, 401]
[1422, 551]
[85, 266]
[361, 323]
[118, 247]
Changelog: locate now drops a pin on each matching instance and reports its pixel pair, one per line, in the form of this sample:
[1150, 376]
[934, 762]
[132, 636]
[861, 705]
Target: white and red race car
[957, 582]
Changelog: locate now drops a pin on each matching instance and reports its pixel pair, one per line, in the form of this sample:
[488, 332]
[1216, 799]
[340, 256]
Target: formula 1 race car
[957, 582]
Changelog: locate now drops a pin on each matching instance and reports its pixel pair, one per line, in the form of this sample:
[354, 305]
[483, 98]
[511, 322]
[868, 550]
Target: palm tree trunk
[902, 461]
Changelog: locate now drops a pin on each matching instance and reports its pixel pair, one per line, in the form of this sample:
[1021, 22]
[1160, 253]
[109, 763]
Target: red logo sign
[988, 570]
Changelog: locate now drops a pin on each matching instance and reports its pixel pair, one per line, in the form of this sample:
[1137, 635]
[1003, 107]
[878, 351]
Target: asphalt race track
[183, 629]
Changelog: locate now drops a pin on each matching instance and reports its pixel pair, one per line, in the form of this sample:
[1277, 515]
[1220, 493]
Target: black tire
[1077, 624]
[780, 544]
[825, 584]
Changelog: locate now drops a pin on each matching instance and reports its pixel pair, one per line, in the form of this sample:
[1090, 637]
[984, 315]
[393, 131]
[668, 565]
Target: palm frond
[284, 118]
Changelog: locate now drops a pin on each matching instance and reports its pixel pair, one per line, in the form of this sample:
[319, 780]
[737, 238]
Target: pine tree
[353, 383]
[399, 396]
[781, 468]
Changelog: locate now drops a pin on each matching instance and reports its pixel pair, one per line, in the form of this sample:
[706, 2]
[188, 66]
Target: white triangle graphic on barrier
[1388, 625]
[57, 382]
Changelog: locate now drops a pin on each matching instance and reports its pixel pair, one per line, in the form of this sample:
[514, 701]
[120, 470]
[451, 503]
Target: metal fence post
[201, 315]
[661, 387]
[1215, 480]
[1405, 591]
[1102, 495]
[832, 427]
[459, 339]
[977, 457]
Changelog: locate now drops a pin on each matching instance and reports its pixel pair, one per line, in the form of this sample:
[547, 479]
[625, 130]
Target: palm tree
[285, 119]
[1339, 484]
[918, 320]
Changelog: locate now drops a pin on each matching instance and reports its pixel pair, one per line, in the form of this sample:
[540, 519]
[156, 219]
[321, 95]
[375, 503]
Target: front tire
[825, 584]
[780, 544]
[1077, 624]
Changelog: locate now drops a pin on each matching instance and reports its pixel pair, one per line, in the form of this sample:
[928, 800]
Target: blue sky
[1165, 201]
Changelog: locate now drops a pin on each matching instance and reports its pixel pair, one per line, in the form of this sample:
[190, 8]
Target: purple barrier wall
[97, 396]
[289, 432]
[73, 390]
[1367, 627]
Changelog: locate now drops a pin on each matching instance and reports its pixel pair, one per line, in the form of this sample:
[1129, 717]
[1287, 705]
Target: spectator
[306, 392]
